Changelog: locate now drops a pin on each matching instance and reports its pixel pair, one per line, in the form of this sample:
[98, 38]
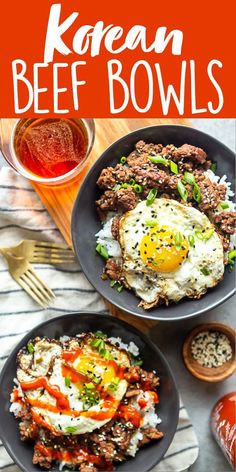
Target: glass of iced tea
[47, 150]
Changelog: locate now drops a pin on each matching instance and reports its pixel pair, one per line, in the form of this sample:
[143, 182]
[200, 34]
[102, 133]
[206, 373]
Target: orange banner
[125, 59]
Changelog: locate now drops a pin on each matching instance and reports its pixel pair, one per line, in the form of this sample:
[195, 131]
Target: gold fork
[24, 274]
[43, 252]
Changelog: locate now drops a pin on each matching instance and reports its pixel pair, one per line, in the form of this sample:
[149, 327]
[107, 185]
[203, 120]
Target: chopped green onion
[125, 185]
[189, 178]
[191, 240]
[132, 182]
[224, 205]
[178, 240]
[137, 362]
[151, 223]
[67, 381]
[102, 250]
[113, 386]
[70, 429]
[116, 187]
[30, 348]
[231, 256]
[97, 379]
[213, 167]
[182, 190]
[106, 354]
[138, 188]
[204, 235]
[174, 168]
[205, 271]
[95, 342]
[158, 160]
[199, 235]
[100, 334]
[113, 283]
[98, 344]
[120, 288]
[208, 234]
[89, 386]
[197, 193]
[151, 196]
[123, 160]
[104, 276]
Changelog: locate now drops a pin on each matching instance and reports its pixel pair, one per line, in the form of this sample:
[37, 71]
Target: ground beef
[150, 148]
[87, 467]
[107, 450]
[110, 176]
[225, 241]
[113, 270]
[154, 177]
[226, 221]
[124, 199]
[194, 153]
[149, 379]
[122, 436]
[132, 392]
[107, 202]
[137, 375]
[27, 430]
[41, 460]
[211, 193]
[133, 375]
[149, 434]
[115, 227]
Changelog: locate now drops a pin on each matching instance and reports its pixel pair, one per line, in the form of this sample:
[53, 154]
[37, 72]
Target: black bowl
[168, 408]
[85, 222]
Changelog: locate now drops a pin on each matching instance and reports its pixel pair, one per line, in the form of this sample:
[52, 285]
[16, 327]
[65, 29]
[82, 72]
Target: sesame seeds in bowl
[209, 352]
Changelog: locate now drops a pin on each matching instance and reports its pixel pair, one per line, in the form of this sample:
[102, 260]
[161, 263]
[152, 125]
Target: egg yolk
[163, 249]
[88, 366]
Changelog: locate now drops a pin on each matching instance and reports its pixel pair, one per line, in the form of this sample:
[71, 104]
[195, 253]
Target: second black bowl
[153, 359]
[85, 222]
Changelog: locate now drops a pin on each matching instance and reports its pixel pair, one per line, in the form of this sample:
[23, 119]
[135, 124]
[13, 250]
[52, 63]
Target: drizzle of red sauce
[40, 422]
[70, 356]
[73, 375]
[42, 382]
[63, 455]
[129, 413]
[77, 454]
[153, 397]
[15, 394]
[142, 402]
[109, 409]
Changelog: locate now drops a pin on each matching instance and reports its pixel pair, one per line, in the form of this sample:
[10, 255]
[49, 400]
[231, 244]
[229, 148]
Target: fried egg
[73, 387]
[169, 251]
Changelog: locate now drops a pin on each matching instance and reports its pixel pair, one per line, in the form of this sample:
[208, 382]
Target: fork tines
[36, 288]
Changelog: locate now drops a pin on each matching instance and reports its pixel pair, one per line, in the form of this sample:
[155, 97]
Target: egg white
[188, 280]
[60, 422]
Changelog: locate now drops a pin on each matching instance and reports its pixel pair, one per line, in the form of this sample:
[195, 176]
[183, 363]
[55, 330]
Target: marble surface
[199, 397]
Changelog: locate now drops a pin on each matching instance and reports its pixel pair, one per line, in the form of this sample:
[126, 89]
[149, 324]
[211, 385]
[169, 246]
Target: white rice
[229, 194]
[149, 416]
[149, 419]
[105, 238]
[64, 338]
[131, 347]
[15, 408]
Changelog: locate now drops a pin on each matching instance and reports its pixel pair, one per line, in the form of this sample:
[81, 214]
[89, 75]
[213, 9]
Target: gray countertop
[199, 397]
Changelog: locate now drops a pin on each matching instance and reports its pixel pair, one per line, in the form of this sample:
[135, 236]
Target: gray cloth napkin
[22, 216]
